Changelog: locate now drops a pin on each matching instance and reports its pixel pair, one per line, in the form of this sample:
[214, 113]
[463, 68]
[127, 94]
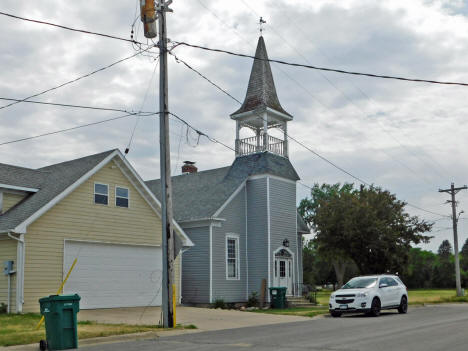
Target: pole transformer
[453, 191]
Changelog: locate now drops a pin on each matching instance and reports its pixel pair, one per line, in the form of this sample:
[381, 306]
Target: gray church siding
[196, 267]
[257, 228]
[223, 288]
[283, 220]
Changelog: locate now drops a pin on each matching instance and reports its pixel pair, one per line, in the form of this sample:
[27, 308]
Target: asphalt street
[438, 327]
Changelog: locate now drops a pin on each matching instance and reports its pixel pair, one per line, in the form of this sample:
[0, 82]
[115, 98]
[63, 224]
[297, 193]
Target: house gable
[77, 218]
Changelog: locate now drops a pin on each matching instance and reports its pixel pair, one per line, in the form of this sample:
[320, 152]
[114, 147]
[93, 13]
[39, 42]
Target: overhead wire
[76, 127]
[77, 79]
[372, 75]
[224, 91]
[330, 82]
[70, 28]
[127, 149]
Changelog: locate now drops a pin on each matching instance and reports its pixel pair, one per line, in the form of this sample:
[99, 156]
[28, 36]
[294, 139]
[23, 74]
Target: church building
[242, 219]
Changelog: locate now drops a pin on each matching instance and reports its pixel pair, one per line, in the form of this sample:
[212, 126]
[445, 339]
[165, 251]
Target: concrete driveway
[204, 318]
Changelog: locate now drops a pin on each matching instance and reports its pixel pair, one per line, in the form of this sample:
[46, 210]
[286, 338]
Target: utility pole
[165, 166]
[453, 191]
[149, 15]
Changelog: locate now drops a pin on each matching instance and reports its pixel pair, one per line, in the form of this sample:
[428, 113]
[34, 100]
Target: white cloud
[407, 137]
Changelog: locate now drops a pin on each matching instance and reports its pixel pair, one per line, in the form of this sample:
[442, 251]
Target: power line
[324, 68]
[76, 127]
[71, 105]
[72, 29]
[200, 133]
[77, 79]
[297, 141]
[397, 160]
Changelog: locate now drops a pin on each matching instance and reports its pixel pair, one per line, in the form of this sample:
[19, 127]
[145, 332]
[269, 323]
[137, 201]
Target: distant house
[96, 209]
[242, 218]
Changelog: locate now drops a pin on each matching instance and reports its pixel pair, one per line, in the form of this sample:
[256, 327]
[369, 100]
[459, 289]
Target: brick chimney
[189, 167]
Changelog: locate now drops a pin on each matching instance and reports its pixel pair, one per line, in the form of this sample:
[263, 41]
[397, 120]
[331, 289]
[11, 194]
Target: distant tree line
[425, 269]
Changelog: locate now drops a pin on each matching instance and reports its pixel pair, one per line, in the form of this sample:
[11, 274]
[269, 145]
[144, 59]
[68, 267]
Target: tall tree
[464, 256]
[368, 227]
[320, 212]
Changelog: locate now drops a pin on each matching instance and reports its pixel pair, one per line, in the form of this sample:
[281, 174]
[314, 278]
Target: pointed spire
[261, 91]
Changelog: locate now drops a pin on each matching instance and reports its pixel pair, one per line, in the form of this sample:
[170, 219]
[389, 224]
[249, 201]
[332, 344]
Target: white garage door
[113, 275]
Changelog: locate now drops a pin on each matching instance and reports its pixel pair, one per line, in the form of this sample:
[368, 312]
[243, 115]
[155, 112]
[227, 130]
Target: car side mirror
[383, 285]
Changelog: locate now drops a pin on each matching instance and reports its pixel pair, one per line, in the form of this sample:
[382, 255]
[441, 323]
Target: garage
[113, 275]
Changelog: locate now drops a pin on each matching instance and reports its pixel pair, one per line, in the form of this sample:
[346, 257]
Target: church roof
[199, 195]
[261, 91]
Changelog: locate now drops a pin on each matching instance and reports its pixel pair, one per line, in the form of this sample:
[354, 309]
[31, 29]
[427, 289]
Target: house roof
[199, 195]
[51, 181]
[302, 225]
[261, 91]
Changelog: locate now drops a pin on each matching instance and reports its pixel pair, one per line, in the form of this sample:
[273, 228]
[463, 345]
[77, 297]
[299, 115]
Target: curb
[109, 339]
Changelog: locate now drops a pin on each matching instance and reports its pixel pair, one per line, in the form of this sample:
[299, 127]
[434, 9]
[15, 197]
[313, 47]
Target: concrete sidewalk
[204, 318]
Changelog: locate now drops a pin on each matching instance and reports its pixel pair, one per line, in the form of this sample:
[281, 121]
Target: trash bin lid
[74, 297]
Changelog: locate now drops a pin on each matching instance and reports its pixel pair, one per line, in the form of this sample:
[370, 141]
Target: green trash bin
[278, 297]
[61, 325]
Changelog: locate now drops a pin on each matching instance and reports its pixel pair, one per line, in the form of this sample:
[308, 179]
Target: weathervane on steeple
[261, 22]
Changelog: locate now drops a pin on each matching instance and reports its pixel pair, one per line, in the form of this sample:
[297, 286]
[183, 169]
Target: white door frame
[276, 272]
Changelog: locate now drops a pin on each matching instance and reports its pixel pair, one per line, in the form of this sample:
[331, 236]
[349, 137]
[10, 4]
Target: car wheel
[335, 314]
[375, 308]
[403, 308]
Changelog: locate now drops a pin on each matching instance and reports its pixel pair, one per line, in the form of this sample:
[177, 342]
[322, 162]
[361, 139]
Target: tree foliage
[368, 226]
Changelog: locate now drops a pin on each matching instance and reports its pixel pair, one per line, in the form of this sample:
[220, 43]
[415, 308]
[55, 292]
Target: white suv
[369, 294]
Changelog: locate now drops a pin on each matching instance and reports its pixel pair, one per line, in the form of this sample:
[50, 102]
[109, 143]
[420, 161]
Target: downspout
[19, 270]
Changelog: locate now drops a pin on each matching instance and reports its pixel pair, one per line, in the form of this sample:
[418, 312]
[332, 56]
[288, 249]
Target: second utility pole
[165, 166]
[453, 191]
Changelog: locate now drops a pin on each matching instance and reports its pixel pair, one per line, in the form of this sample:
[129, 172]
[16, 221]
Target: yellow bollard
[59, 290]
[174, 304]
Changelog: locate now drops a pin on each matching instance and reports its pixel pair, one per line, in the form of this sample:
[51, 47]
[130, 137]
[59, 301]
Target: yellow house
[95, 209]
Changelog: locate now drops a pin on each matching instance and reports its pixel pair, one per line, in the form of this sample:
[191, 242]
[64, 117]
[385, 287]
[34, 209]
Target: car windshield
[358, 283]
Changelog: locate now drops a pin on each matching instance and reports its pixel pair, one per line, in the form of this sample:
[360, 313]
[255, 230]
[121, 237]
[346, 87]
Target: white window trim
[94, 193]
[236, 238]
[128, 197]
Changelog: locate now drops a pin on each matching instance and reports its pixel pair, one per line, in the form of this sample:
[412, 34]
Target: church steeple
[261, 110]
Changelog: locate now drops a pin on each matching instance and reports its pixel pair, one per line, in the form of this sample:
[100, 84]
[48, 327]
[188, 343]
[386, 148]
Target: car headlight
[332, 297]
[362, 295]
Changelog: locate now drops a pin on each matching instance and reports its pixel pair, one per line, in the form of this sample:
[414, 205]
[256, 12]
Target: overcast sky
[409, 138]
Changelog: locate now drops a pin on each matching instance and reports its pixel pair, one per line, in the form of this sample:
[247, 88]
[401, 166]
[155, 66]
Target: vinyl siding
[230, 290]
[76, 217]
[10, 200]
[283, 219]
[8, 253]
[196, 267]
[257, 229]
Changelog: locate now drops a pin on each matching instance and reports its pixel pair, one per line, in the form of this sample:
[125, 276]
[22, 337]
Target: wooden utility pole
[453, 191]
[165, 166]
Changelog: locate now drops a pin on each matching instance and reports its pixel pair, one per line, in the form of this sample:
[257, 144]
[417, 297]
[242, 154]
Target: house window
[101, 194]
[121, 197]
[232, 257]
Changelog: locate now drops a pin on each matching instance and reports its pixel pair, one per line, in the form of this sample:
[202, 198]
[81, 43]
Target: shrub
[253, 300]
[3, 308]
[219, 303]
[312, 297]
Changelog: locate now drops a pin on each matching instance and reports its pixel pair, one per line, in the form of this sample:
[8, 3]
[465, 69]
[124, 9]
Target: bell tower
[261, 111]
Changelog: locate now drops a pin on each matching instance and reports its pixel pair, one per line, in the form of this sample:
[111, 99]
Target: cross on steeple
[261, 22]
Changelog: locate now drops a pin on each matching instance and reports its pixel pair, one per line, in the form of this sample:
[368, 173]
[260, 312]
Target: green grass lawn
[416, 297]
[20, 329]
